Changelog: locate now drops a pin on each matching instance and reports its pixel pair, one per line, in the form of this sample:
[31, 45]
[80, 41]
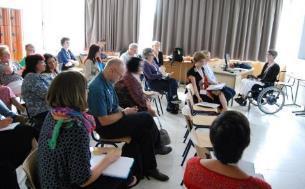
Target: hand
[199, 99]
[113, 155]
[170, 74]
[69, 64]
[5, 122]
[132, 110]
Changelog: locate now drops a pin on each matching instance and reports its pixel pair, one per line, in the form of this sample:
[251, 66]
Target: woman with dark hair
[158, 82]
[129, 88]
[51, 65]
[93, 63]
[230, 135]
[267, 78]
[63, 150]
[35, 87]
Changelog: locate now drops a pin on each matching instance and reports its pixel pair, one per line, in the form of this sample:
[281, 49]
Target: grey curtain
[244, 28]
[113, 21]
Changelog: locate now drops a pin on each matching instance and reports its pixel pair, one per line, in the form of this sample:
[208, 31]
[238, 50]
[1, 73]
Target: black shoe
[241, 101]
[156, 174]
[163, 150]
[172, 111]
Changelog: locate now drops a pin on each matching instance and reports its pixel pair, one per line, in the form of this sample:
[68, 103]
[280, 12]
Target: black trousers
[108, 182]
[169, 85]
[145, 137]
[15, 146]
[228, 92]
[39, 119]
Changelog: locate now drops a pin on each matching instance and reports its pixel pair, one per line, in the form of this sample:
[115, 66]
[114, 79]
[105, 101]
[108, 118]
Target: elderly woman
[51, 65]
[158, 55]
[35, 87]
[267, 77]
[93, 63]
[230, 135]
[129, 88]
[200, 82]
[157, 82]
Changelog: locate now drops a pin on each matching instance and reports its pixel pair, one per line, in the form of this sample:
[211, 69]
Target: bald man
[114, 122]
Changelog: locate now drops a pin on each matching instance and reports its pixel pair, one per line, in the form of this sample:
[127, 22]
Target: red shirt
[197, 176]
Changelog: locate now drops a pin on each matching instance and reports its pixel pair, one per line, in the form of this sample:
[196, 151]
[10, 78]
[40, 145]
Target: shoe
[241, 101]
[156, 174]
[172, 111]
[163, 150]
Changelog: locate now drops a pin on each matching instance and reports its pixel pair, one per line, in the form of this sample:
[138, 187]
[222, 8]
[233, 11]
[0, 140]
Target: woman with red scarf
[63, 150]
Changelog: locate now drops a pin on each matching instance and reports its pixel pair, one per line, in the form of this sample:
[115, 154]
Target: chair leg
[181, 184]
[187, 132]
[291, 93]
[186, 153]
[160, 105]
[186, 147]
[156, 104]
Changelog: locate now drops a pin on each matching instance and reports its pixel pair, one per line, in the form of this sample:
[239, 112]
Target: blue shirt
[64, 56]
[102, 98]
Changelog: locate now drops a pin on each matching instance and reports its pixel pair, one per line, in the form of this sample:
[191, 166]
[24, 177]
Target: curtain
[113, 21]
[245, 29]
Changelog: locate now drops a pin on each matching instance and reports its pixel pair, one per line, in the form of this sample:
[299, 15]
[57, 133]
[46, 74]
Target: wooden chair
[30, 166]
[102, 141]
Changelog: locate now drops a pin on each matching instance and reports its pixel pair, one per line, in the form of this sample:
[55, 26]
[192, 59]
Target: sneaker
[241, 101]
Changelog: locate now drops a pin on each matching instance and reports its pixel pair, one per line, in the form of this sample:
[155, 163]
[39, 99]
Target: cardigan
[269, 75]
[152, 71]
[64, 56]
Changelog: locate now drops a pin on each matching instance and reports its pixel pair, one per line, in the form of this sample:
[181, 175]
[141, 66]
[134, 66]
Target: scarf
[67, 116]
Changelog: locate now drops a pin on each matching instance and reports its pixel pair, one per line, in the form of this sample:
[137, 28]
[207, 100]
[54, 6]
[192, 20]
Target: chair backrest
[30, 166]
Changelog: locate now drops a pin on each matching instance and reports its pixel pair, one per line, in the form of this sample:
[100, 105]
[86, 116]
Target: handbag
[164, 137]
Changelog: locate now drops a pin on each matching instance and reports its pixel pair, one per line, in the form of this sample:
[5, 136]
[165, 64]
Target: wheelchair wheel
[271, 100]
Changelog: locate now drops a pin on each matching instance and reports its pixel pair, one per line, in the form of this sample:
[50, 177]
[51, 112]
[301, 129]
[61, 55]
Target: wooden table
[232, 78]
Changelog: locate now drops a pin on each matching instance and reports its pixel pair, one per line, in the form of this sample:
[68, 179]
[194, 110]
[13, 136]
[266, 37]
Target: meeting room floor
[277, 148]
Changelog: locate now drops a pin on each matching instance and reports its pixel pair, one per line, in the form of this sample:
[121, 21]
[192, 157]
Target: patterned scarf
[68, 116]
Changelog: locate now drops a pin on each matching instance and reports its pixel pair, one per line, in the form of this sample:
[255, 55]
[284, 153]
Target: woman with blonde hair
[199, 80]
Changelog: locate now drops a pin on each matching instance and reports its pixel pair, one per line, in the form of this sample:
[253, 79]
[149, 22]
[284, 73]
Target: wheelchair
[269, 99]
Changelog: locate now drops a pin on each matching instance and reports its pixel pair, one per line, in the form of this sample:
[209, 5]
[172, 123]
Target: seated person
[129, 88]
[199, 80]
[51, 65]
[113, 122]
[5, 58]
[157, 82]
[131, 52]
[230, 135]
[267, 78]
[9, 98]
[93, 63]
[29, 50]
[11, 79]
[63, 150]
[102, 45]
[15, 145]
[227, 91]
[158, 55]
[35, 87]
[65, 56]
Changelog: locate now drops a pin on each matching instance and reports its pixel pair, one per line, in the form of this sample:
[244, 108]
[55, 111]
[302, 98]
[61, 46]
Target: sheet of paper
[216, 87]
[118, 169]
[10, 127]
[207, 104]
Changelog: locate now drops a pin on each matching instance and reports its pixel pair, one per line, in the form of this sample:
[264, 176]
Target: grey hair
[133, 46]
[155, 42]
[114, 62]
[146, 52]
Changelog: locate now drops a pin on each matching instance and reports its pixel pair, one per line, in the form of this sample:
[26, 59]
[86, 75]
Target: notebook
[216, 87]
[207, 104]
[10, 126]
[119, 169]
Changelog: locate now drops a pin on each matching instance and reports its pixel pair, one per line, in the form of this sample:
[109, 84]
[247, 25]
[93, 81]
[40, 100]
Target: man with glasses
[114, 122]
